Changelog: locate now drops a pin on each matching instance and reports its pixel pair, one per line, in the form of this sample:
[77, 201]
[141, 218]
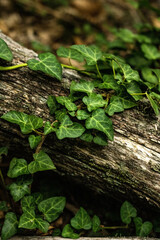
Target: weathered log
[128, 168]
[86, 238]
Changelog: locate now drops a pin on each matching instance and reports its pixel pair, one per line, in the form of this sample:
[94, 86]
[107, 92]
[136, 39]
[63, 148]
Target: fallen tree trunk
[128, 168]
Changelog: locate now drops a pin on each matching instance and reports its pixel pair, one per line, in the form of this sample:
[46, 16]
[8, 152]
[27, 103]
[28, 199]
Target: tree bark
[128, 168]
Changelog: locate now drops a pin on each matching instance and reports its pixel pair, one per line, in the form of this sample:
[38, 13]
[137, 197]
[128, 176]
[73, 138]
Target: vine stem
[98, 71]
[74, 68]
[40, 144]
[114, 227]
[2, 178]
[13, 67]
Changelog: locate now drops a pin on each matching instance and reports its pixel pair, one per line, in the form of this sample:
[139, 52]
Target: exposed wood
[128, 168]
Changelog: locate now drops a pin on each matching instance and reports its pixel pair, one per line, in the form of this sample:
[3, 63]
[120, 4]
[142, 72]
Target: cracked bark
[128, 168]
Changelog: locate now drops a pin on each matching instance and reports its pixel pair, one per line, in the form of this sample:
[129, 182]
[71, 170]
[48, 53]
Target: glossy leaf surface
[94, 101]
[10, 226]
[127, 212]
[17, 167]
[5, 52]
[81, 220]
[34, 141]
[70, 53]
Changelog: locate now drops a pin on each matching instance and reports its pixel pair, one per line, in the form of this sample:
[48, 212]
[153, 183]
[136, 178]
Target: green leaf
[60, 114]
[5, 52]
[94, 101]
[42, 162]
[27, 219]
[68, 232]
[142, 229]
[48, 128]
[109, 83]
[38, 197]
[3, 206]
[150, 51]
[27, 203]
[18, 190]
[70, 53]
[81, 220]
[52, 104]
[68, 129]
[133, 88]
[82, 114]
[82, 86]
[155, 95]
[48, 64]
[3, 151]
[153, 104]
[10, 226]
[17, 167]
[100, 139]
[56, 232]
[101, 122]
[42, 224]
[91, 54]
[27, 123]
[52, 207]
[125, 34]
[127, 211]
[86, 136]
[67, 102]
[115, 105]
[129, 73]
[95, 223]
[148, 76]
[34, 141]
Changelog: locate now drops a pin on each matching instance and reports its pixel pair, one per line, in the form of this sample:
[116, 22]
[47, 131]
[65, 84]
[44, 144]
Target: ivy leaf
[70, 53]
[142, 229]
[5, 52]
[94, 101]
[27, 123]
[114, 106]
[68, 129]
[129, 73]
[3, 151]
[100, 139]
[17, 167]
[38, 197]
[18, 190]
[41, 162]
[60, 114]
[52, 207]
[3, 206]
[48, 128]
[10, 226]
[125, 34]
[34, 141]
[148, 76]
[48, 64]
[150, 51]
[52, 104]
[127, 211]
[95, 223]
[86, 136]
[133, 88]
[27, 219]
[82, 86]
[66, 101]
[27, 203]
[153, 104]
[109, 83]
[68, 232]
[82, 114]
[91, 54]
[101, 122]
[81, 220]
[42, 224]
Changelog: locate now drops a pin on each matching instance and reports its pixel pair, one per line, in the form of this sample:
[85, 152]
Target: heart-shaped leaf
[42, 224]
[127, 211]
[101, 122]
[27, 203]
[68, 232]
[91, 54]
[133, 89]
[95, 223]
[5, 52]
[38, 197]
[10, 226]
[18, 190]
[17, 167]
[68, 129]
[82, 114]
[82, 86]
[67, 102]
[27, 123]
[41, 162]
[27, 219]
[86, 136]
[129, 73]
[114, 106]
[48, 128]
[3, 206]
[34, 141]
[100, 139]
[94, 101]
[150, 51]
[70, 53]
[52, 207]
[142, 229]
[48, 64]
[81, 220]
[109, 83]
